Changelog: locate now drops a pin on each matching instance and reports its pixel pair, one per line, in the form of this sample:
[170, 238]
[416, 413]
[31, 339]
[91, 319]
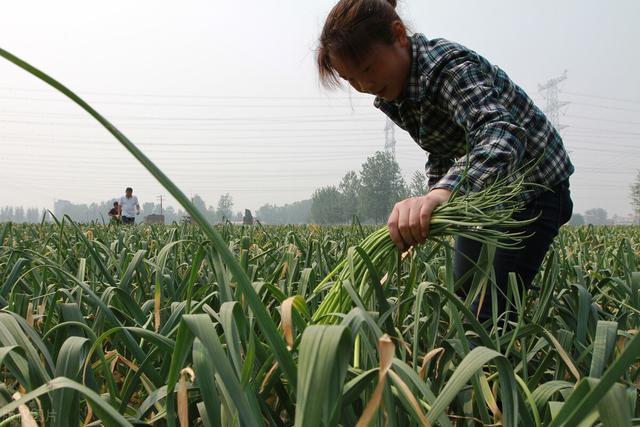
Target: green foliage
[289, 213]
[635, 195]
[155, 321]
[327, 206]
[350, 188]
[225, 207]
[595, 216]
[370, 195]
[576, 219]
[418, 185]
[382, 186]
[70, 342]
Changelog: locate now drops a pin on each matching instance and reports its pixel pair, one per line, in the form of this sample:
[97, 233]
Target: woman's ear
[399, 33]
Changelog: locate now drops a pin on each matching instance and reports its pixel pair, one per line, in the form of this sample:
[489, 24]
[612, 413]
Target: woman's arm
[465, 88]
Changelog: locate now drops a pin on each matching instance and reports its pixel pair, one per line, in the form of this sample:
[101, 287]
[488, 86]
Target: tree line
[368, 194]
[20, 214]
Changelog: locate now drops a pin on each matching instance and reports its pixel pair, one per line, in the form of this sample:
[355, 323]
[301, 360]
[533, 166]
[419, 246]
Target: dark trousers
[128, 219]
[555, 208]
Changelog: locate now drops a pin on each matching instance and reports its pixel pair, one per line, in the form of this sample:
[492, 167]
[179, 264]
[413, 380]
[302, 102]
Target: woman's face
[382, 72]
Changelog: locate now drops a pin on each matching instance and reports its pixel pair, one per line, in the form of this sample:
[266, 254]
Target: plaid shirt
[468, 114]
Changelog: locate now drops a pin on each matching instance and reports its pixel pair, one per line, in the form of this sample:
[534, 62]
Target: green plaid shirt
[462, 110]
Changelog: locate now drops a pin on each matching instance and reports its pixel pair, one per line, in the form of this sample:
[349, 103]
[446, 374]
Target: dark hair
[128, 189]
[350, 30]
[115, 203]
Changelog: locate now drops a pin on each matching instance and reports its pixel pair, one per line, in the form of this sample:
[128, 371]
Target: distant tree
[576, 219]
[350, 188]
[635, 196]
[6, 214]
[148, 208]
[170, 215]
[199, 203]
[418, 184]
[290, 213]
[225, 207]
[266, 213]
[297, 212]
[595, 216]
[93, 211]
[326, 206]
[382, 186]
[18, 215]
[81, 213]
[32, 215]
[211, 215]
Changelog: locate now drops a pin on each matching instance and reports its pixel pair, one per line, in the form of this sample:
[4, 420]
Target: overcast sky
[224, 96]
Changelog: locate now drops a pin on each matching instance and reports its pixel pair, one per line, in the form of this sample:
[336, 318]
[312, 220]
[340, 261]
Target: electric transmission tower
[390, 137]
[550, 90]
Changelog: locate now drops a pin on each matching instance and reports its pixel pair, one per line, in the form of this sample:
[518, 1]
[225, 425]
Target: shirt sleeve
[496, 144]
[435, 168]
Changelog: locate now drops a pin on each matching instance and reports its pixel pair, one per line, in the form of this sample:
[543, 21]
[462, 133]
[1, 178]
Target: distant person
[114, 215]
[128, 207]
[248, 218]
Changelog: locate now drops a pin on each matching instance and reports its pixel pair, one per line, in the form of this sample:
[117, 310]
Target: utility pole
[550, 90]
[390, 137]
[160, 197]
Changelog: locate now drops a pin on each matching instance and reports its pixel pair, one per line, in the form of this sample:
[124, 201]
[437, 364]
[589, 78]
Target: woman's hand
[410, 218]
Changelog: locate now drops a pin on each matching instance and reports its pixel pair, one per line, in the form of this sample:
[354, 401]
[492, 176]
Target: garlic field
[158, 325]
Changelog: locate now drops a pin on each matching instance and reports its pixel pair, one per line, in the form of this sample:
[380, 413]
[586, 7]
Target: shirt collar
[414, 91]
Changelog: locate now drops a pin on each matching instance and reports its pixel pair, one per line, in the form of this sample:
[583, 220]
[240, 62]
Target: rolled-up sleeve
[496, 144]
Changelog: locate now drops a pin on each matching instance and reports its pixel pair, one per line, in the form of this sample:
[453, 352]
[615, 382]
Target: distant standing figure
[248, 218]
[114, 214]
[128, 207]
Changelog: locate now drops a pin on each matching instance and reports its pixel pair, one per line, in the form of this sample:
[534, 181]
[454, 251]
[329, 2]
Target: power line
[215, 147]
[156, 104]
[633, 101]
[206, 141]
[598, 144]
[190, 173]
[154, 150]
[579, 133]
[215, 141]
[322, 118]
[281, 147]
[349, 97]
[147, 95]
[272, 120]
[198, 129]
[193, 174]
[274, 160]
[625, 122]
[617, 132]
[605, 107]
[102, 182]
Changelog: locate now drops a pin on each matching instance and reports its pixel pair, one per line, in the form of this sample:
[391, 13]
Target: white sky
[224, 96]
